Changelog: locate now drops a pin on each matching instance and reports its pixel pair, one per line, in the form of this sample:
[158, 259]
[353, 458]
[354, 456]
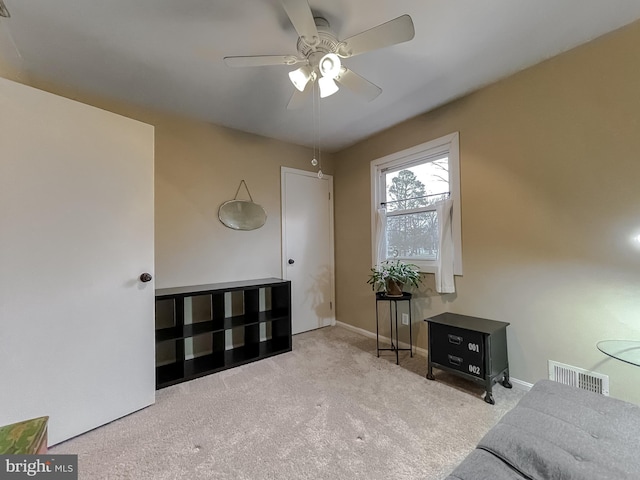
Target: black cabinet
[475, 348]
[207, 328]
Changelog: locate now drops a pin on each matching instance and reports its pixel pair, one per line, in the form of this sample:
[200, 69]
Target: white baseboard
[420, 351]
[519, 384]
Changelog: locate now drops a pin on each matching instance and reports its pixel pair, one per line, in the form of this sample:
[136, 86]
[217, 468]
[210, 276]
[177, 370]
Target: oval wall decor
[242, 214]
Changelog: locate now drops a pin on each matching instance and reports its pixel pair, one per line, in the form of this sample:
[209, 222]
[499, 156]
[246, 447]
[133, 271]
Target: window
[408, 186]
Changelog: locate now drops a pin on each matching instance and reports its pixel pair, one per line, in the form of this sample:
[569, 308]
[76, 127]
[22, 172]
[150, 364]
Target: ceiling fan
[320, 52]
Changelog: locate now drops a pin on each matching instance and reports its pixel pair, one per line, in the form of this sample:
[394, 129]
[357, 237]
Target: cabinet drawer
[461, 342]
[471, 366]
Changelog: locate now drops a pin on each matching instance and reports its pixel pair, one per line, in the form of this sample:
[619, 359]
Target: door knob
[291, 261]
[145, 277]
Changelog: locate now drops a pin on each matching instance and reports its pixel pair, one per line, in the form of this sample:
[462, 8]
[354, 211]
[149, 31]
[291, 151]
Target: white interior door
[307, 253]
[76, 232]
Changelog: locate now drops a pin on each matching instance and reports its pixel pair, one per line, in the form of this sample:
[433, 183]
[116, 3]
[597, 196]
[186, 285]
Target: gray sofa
[558, 432]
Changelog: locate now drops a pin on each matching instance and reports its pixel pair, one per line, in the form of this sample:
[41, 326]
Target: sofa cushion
[561, 432]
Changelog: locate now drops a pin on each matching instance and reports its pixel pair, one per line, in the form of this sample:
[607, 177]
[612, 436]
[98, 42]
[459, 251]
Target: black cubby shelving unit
[207, 328]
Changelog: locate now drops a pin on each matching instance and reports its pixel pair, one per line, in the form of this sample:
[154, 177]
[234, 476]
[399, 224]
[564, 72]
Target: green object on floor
[23, 438]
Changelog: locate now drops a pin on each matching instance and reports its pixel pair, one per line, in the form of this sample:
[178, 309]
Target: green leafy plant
[396, 271]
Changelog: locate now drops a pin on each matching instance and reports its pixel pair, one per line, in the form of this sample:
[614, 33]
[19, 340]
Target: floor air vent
[578, 377]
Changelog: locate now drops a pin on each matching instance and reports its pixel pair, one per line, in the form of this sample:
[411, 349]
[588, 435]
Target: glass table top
[625, 350]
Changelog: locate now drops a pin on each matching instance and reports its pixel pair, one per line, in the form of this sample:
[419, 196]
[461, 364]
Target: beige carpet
[328, 410]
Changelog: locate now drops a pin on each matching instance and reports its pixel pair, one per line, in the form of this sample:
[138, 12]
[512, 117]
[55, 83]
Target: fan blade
[394, 31]
[358, 84]
[261, 60]
[298, 99]
[301, 17]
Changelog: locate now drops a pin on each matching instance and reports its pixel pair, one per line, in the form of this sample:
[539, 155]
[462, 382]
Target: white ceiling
[168, 54]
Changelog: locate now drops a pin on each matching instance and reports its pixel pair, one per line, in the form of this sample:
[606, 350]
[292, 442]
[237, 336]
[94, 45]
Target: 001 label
[474, 347]
[474, 369]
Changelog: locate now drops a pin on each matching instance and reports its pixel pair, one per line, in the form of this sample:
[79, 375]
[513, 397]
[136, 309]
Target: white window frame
[443, 146]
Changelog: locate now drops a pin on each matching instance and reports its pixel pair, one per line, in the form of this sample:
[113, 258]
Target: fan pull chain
[316, 104]
[314, 161]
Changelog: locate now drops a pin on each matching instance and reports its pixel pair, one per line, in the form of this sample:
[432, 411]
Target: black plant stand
[393, 315]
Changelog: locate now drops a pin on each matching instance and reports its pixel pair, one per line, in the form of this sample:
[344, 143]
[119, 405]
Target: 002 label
[474, 369]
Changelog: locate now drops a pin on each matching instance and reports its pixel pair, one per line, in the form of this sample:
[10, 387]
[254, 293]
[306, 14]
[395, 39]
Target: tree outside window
[412, 225]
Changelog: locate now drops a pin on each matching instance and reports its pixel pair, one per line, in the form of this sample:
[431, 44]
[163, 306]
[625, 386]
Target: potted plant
[391, 276]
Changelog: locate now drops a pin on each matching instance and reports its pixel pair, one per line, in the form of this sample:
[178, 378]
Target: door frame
[283, 223]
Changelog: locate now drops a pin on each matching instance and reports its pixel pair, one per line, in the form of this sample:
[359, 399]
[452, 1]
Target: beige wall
[198, 166]
[550, 165]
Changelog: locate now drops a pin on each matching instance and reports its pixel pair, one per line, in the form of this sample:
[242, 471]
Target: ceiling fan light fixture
[300, 77]
[327, 86]
[330, 65]
[319, 50]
